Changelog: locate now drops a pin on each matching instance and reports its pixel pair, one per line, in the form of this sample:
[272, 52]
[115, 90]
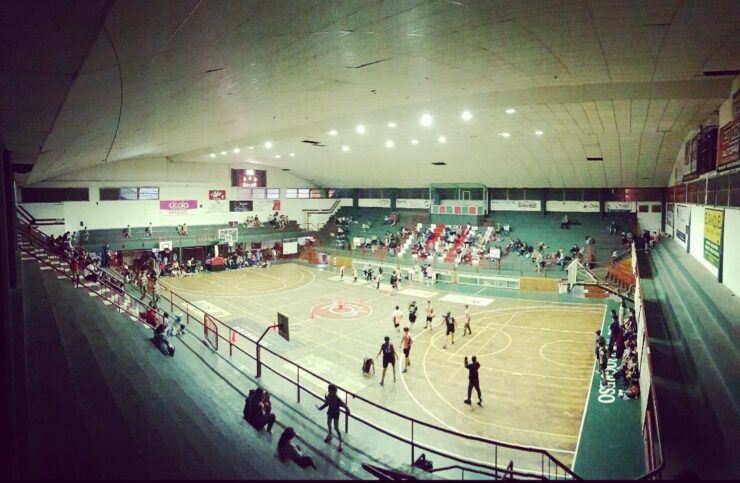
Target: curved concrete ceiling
[191, 78]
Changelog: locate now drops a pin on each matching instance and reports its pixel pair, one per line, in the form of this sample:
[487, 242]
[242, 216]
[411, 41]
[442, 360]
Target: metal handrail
[545, 455]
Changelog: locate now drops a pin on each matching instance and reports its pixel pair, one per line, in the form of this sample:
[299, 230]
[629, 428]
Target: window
[643, 208]
[516, 194]
[53, 195]
[273, 193]
[723, 190]
[573, 194]
[291, 193]
[734, 189]
[533, 194]
[258, 193]
[497, 194]
[118, 194]
[656, 208]
[338, 193]
[412, 193]
[316, 194]
[303, 193]
[711, 191]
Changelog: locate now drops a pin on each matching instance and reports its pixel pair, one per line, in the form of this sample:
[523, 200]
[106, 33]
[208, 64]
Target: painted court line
[464, 299]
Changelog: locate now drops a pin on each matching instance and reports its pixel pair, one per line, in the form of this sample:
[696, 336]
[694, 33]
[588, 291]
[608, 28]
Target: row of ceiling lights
[426, 120]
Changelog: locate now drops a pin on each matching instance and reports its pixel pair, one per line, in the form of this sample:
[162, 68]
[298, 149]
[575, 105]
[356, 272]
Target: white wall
[176, 181]
[649, 221]
[731, 247]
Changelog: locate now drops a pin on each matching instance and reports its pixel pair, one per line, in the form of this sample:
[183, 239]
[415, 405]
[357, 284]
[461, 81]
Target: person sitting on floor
[289, 450]
[256, 413]
[160, 340]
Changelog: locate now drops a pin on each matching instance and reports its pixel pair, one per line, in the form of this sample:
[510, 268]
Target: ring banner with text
[713, 220]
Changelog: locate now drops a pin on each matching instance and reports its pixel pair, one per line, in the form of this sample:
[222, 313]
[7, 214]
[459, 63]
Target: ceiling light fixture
[268, 144]
[538, 133]
[466, 116]
[389, 144]
[414, 142]
[292, 155]
[510, 110]
[345, 148]
[442, 139]
[212, 155]
[251, 147]
[236, 150]
[504, 134]
[392, 124]
[333, 132]
[360, 129]
[223, 153]
[426, 120]
[277, 156]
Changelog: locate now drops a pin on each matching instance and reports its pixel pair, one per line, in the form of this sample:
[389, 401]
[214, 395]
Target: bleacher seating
[198, 235]
[530, 227]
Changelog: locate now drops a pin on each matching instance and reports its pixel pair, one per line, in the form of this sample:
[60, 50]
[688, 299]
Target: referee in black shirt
[473, 381]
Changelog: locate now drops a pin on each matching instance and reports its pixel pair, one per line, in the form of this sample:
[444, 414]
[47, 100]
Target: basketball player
[412, 314]
[397, 317]
[473, 381]
[466, 318]
[430, 315]
[450, 334]
[341, 273]
[378, 277]
[389, 357]
[354, 275]
[406, 347]
[394, 282]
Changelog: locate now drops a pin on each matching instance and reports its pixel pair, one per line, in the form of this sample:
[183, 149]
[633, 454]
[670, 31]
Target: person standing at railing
[149, 230]
[334, 403]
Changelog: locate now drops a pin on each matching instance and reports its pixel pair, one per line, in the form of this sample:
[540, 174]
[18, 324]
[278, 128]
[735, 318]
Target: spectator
[256, 413]
[564, 223]
[633, 392]
[288, 450]
[160, 340]
[597, 341]
[334, 404]
[127, 231]
[149, 230]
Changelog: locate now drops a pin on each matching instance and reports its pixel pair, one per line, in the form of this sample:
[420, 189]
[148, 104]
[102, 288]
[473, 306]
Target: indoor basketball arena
[396, 240]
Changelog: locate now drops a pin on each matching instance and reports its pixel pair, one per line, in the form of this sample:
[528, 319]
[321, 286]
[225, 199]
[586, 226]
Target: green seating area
[530, 227]
[198, 235]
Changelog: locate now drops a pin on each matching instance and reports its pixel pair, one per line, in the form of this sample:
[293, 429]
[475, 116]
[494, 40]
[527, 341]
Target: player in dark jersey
[389, 357]
[473, 381]
[412, 314]
[450, 325]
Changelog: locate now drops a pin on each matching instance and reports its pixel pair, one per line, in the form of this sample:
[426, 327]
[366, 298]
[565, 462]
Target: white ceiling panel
[620, 78]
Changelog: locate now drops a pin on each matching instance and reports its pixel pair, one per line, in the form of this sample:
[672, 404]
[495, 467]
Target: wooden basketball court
[536, 356]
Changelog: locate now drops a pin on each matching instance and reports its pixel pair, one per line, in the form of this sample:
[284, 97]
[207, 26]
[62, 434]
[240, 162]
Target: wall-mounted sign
[216, 194]
[713, 220]
[246, 205]
[729, 144]
[178, 207]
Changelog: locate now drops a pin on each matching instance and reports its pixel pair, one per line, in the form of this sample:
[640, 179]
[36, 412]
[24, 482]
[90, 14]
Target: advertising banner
[682, 222]
[275, 205]
[216, 194]
[728, 143]
[411, 204]
[736, 105]
[620, 207]
[178, 207]
[577, 206]
[241, 206]
[713, 220]
[669, 218]
[515, 205]
[374, 202]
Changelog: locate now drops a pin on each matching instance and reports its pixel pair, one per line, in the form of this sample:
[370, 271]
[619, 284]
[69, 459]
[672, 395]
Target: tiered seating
[621, 273]
[104, 403]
